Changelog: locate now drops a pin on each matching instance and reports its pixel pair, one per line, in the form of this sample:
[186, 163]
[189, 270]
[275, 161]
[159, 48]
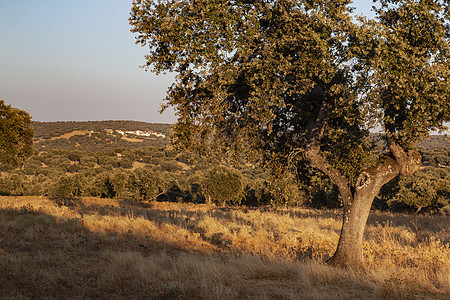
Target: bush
[145, 184]
[126, 163]
[285, 190]
[186, 158]
[427, 189]
[88, 161]
[30, 167]
[64, 187]
[73, 168]
[170, 166]
[112, 184]
[171, 153]
[223, 185]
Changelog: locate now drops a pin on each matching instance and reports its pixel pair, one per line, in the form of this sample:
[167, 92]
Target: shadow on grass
[422, 224]
[43, 256]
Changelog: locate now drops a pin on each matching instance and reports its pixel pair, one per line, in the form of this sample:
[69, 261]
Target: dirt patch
[137, 165]
[66, 135]
[133, 140]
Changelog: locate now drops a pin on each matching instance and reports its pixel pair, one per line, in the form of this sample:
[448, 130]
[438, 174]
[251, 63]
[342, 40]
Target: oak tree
[16, 135]
[223, 184]
[296, 80]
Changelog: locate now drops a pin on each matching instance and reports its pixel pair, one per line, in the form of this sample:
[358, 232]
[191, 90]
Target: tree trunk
[357, 208]
[349, 250]
[357, 199]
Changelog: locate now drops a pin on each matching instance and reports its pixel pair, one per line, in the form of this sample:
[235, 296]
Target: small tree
[300, 79]
[16, 135]
[146, 185]
[223, 184]
[427, 189]
[64, 187]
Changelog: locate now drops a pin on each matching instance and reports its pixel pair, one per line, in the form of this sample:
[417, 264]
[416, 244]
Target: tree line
[164, 174]
[47, 130]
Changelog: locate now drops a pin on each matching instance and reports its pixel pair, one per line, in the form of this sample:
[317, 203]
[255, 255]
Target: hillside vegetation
[92, 135]
[104, 248]
[97, 214]
[83, 159]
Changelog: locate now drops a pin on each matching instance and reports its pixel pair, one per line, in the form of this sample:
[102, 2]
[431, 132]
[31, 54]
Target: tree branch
[318, 159]
[408, 160]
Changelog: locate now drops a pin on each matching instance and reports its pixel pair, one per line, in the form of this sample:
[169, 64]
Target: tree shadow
[432, 222]
[45, 256]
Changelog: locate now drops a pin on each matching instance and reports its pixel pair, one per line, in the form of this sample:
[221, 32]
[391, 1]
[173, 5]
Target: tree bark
[357, 199]
[349, 250]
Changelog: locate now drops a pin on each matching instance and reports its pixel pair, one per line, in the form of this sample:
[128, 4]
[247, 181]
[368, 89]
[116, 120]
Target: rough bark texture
[356, 212]
[357, 199]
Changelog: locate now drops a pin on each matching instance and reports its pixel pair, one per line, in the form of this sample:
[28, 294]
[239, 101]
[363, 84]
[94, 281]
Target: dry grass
[97, 248]
[132, 139]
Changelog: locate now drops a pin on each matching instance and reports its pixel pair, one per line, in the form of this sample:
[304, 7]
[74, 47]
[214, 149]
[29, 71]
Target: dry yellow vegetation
[90, 247]
[132, 139]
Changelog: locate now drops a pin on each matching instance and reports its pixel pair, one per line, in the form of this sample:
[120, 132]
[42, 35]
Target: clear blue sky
[76, 60]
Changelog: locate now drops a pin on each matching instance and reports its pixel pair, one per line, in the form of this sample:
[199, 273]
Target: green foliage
[88, 161]
[30, 167]
[438, 156]
[284, 188]
[16, 135]
[64, 187]
[322, 192]
[74, 173]
[146, 184]
[223, 185]
[262, 80]
[409, 60]
[427, 189]
[170, 166]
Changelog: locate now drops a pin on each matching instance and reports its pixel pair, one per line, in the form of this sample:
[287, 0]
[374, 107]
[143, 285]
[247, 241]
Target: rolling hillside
[98, 135]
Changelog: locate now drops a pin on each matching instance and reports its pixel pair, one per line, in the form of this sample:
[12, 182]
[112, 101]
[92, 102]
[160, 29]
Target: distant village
[137, 133]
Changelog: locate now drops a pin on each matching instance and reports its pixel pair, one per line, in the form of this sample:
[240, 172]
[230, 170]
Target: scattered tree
[16, 135]
[223, 185]
[301, 79]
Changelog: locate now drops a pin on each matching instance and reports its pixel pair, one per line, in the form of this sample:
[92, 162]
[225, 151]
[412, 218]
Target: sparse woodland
[130, 219]
[90, 163]
[294, 82]
[272, 184]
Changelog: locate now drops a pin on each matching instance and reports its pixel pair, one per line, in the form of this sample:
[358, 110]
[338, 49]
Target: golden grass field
[101, 248]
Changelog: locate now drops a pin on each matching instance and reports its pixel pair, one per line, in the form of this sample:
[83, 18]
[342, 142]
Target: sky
[76, 60]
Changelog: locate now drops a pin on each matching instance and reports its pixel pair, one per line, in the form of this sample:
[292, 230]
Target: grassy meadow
[101, 248]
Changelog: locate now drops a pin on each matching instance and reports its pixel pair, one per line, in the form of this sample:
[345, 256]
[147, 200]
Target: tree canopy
[293, 80]
[16, 135]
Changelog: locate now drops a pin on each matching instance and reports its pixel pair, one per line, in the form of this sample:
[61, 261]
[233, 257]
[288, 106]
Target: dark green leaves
[253, 76]
[16, 135]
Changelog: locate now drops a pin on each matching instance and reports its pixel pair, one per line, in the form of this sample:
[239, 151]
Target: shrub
[64, 187]
[30, 167]
[73, 168]
[126, 163]
[284, 189]
[170, 166]
[427, 189]
[88, 161]
[223, 185]
[145, 184]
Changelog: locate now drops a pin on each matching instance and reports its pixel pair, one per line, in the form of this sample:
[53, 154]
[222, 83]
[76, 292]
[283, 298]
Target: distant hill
[54, 129]
[435, 141]
[93, 136]
[97, 135]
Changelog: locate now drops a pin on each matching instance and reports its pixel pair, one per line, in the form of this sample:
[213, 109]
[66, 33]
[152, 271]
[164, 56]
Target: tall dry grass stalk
[89, 247]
